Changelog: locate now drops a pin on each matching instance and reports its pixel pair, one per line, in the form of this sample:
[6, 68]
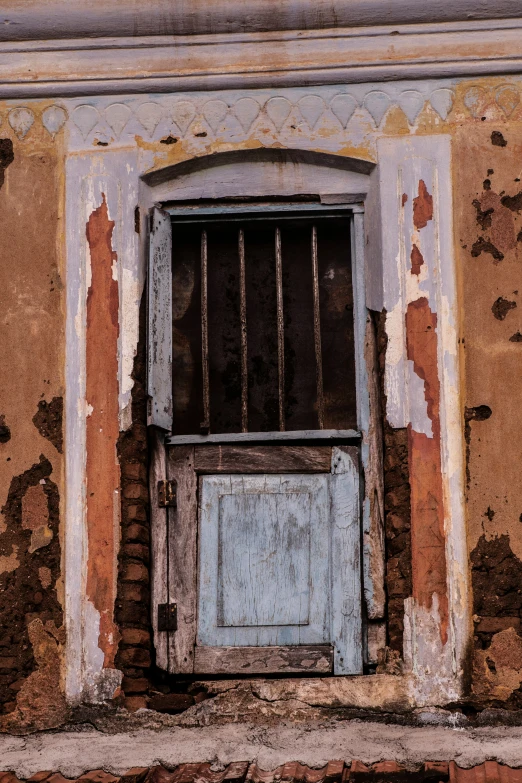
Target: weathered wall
[31, 443]
[489, 204]
[142, 134]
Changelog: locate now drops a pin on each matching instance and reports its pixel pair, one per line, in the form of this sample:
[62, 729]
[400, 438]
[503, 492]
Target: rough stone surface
[72, 753]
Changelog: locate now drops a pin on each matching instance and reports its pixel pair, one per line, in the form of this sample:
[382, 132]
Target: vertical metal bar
[205, 424]
[243, 318]
[280, 330]
[317, 332]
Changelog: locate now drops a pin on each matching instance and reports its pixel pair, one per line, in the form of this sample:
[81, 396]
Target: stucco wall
[32, 290]
[108, 143]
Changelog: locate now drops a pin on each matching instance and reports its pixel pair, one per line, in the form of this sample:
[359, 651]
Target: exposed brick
[8, 663]
[397, 512]
[134, 775]
[135, 491]
[57, 777]
[133, 613]
[138, 512]
[496, 624]
[135, 471]
[135, 656]
[135, 636]
[132, 609]
[133, 703]
[8, 777]
[129, 671]
[135, 572]
[134, 591]
[135, 685]
[136, 532]
[98, 776]
[137, 551]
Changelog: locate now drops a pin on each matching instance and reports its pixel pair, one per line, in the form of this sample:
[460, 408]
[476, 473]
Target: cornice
[253, 60]
[46, 19]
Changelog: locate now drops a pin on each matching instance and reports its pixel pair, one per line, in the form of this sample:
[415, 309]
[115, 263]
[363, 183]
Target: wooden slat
[158, 523]
[159, 334]
[317, 332]
[280, 330]
[182, 558]
[246, 437]
[263, 459]
[243, 317]
[205, 424]
[346, 561]
[263, 660]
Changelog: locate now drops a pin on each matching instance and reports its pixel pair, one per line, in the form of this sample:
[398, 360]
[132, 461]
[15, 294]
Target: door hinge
[167, 494]
[167, 617]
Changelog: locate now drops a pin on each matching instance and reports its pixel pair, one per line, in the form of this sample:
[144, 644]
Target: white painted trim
[114, 174]
[438, 669]
[239, 60]
[75, 530]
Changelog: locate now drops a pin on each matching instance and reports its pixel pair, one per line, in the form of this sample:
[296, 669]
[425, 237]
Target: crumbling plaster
[102, 145]
[32, 286]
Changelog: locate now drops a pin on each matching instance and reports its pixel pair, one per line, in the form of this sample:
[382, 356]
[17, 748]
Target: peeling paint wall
[489, 235]
[442, 148]
[31, 393]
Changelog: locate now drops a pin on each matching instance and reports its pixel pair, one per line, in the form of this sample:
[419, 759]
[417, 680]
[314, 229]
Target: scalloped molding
[237, 115]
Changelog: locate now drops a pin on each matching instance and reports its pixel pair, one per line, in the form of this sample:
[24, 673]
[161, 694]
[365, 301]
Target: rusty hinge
[167, 495]
[167, 617]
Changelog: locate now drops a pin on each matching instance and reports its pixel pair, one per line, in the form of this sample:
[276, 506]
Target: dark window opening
[263, 335]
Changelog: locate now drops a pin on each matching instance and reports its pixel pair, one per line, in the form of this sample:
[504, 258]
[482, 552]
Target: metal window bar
[205, 359]
[317, 332]
[205, 424]
[243, 319]
[280, 329]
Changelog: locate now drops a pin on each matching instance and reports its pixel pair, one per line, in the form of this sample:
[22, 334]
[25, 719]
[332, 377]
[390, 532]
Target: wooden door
[264, 559]
[261, 555]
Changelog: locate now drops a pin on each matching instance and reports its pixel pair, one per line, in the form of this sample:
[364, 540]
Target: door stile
[182, 560]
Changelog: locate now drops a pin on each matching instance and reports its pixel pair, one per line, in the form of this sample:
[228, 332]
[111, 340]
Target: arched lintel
[278, 155]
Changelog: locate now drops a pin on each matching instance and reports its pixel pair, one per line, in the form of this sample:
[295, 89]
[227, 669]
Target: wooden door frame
[434, 663]
[369, 430]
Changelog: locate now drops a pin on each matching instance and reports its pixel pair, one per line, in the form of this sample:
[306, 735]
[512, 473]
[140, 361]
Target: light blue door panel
[279, 561]
[264, 566]
[264, 559]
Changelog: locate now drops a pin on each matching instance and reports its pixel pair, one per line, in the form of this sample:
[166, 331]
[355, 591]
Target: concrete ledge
[76, 751]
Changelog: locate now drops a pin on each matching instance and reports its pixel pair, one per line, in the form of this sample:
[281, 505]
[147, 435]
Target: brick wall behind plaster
[133, 598]
[397, 511]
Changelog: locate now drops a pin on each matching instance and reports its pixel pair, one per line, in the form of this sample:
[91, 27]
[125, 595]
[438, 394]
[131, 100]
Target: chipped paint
[422, 207]
[102, 469]
[113, 140]
[427, 511]
[416, 260]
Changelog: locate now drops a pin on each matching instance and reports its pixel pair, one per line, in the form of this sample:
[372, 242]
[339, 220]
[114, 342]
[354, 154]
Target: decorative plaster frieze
[233, 115]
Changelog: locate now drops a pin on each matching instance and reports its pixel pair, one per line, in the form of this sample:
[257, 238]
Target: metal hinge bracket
[167, 494]
[167, 617]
